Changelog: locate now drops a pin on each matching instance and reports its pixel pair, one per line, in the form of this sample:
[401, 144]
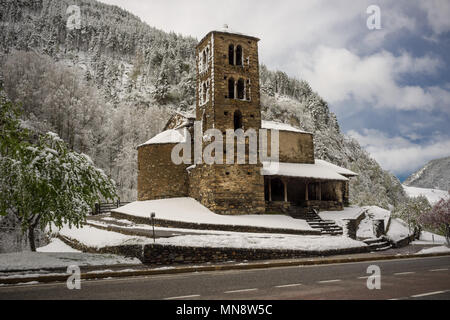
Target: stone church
[228, 97]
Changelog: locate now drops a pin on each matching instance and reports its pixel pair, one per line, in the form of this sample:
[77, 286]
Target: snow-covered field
[43, 260]
[433, 195]
[96, 238]
[191, 211]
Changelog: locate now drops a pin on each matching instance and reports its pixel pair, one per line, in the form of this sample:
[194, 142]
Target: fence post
[97, 208]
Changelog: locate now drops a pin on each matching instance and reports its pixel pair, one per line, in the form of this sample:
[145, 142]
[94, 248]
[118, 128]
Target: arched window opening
[231, 54]
[239, 56]
[204, 124]
[241, 89]
[231, 88]
[205, 91]
[237, 120]
[204, 61]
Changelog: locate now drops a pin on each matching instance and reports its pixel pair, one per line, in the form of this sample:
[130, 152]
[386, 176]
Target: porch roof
[301, 170]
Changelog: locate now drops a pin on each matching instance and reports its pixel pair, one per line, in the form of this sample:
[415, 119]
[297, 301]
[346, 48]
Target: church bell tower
[228, 97]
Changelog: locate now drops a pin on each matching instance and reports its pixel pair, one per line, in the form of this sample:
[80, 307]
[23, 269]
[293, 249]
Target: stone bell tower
[228, 97]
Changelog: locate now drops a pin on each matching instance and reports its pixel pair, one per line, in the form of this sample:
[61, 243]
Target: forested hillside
[111, 85]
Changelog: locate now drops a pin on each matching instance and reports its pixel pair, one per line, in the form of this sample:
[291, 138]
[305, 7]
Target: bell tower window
[239, 55]
[231, 88]
[237, 120]
[231, 54]
[241, 89]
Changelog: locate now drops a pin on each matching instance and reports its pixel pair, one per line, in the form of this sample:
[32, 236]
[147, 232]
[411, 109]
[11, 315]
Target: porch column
[285, 190]
[270, 189]
[306, 191]
[319, 187]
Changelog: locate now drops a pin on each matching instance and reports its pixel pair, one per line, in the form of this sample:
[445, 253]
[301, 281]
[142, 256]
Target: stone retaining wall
[160, 254]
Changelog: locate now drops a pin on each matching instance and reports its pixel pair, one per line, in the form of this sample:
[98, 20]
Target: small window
[241, 89]
[237, 120]
[204, 59]
[239, 56]
[231, 88]
[225, 113]
[231, 54]
[205, 92]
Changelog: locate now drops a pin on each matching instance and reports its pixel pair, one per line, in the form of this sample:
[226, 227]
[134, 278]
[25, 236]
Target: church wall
[158, 176]
[295, 147]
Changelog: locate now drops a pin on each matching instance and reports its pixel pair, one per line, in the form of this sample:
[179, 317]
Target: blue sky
[390, 88]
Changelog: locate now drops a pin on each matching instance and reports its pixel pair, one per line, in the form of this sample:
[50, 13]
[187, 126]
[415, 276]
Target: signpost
[152, 217]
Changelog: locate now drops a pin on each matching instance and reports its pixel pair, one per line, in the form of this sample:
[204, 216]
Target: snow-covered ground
[398, 230]
[43, 260]
[96, 238]
[264, 241]
[56, 245]
[440, 249]
[433, 195]
[352, 212]
[191, 211]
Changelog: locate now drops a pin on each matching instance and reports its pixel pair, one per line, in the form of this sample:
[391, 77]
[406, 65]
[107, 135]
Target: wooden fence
[100, 208]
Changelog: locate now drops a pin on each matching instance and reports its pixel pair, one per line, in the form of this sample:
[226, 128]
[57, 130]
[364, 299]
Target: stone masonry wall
[158, 176]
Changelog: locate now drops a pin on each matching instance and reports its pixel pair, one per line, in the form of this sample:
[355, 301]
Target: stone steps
[326, 227]
[379, 244]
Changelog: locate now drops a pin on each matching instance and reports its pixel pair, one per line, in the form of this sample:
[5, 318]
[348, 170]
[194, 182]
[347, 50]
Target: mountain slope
[111, 85]
[434, 175]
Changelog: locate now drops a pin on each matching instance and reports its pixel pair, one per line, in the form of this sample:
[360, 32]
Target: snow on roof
[272, 125]
[336, 168]
[168, 136]
[227, 29]
[301, 170]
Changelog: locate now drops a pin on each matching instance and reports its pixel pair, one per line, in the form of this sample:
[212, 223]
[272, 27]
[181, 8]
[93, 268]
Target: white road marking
[436, 270]
[427, 294]
[241, 290]
[183, 297]
[403, 273]
[329, 281]
[288, 285]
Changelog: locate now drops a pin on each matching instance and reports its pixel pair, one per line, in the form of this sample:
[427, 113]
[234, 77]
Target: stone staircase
[326, 227]
[378, 244]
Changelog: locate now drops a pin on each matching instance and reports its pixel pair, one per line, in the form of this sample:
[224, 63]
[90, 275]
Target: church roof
[273, 125]
[228, 30]
[336, 168]
[169, 136]
[301, 170]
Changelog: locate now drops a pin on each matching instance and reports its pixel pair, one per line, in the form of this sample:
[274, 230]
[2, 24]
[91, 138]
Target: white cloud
[398, 154]
[341, 75]
[438, 14]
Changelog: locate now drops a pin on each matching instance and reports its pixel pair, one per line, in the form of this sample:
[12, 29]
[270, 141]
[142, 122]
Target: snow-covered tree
[44, 183]
[438, 218]
[411, 211]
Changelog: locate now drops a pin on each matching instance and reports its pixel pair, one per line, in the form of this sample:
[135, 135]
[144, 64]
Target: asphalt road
[417, 278]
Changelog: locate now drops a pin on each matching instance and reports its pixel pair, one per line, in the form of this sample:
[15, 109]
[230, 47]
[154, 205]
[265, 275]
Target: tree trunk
[31, 239]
